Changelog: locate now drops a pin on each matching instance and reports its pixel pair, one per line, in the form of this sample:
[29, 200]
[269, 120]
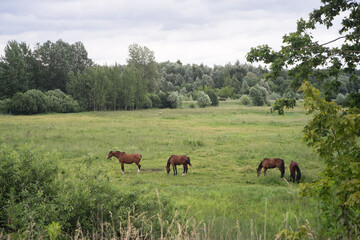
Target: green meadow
[225, 144]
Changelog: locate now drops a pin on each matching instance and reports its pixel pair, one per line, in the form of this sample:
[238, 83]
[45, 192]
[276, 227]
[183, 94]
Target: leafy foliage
[308, 57]
[203, 99]
[35, 101]
[280, 104]
[333, 134]
[174, 100]
[258, 95]
[60, 102]
[35, 190]
[213, 97]
[245, 100]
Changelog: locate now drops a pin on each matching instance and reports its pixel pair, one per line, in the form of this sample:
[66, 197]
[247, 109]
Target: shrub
[145, 102]
[31, 102]
[274, 96]
[5, 106]
[245, 100]
[340, 98]
[164, 103]
[35, 190]
[155, 100]
[203, 99]
[226, 92]
[213, 97]
[28, 188]
[258, 95]
[174, 100]
[60, 102]
[281, 103]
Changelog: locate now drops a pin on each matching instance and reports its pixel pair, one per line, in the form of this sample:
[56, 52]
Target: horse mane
[260, 165]
[168, 162]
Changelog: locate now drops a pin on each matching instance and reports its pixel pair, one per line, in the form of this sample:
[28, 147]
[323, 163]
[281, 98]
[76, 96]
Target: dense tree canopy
[333, 132]
[307, 57]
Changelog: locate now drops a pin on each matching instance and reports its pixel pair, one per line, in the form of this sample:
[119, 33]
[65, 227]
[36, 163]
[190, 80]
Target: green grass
[225, 144]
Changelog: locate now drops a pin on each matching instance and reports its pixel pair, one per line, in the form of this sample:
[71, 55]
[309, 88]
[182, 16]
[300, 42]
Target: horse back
[272, 162]
[135, 156]
[293, 166]
[178, 159]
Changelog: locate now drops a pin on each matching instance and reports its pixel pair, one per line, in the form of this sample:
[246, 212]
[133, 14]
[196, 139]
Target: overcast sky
[192, 31]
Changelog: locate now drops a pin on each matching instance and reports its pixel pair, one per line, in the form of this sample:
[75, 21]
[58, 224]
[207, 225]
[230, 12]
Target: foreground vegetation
[221, 196]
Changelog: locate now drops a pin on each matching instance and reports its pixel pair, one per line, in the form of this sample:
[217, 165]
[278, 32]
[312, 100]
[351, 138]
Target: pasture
[225, 144]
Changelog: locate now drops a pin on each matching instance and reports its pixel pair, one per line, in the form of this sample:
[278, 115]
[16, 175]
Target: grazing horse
[271, 163]
[178, 160]
[294, 166]
[126, 158]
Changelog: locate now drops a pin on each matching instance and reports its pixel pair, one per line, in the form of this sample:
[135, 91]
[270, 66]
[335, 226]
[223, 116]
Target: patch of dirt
[153, 170]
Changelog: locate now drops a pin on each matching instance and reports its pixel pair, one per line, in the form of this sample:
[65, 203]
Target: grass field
[225, 144]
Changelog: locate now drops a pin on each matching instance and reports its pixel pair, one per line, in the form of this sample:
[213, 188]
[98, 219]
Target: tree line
[141, 83]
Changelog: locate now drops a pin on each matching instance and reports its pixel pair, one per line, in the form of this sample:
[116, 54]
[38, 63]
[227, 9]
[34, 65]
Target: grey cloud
[186, 28]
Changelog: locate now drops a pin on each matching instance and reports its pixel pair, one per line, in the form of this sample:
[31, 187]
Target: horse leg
[184, 172]
[265, 171]
[122, 168]
[139, 166]
[174, 169]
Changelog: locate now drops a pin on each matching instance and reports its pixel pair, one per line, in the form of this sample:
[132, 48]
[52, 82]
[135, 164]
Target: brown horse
[126, 158]
[178, 160]
[294, 166]
[271, 163]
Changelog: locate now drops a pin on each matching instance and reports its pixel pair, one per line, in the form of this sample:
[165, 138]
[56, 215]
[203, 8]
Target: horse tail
[282, 168]
[189, 161]
[298, 175]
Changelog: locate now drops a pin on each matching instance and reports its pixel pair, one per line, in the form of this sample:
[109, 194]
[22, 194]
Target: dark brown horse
[294, 167]
[271, 163]
[178, 160]
[126, 158]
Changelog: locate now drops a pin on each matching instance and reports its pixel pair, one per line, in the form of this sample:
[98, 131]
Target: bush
[174, 100]
[31, 102]
[34, 190]
[226, 92]
[340, 99]
[5, 106]
[245, 100]
[203, 99]
[145, 102]
[258, 95]
[213, 97]
[282, 103]
[164, 103]
[155, 100]
[28, 188]
[60, 102]
[274, 96]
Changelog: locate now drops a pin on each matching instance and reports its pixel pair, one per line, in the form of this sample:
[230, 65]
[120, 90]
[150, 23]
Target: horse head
[110, 154]
[167, 169]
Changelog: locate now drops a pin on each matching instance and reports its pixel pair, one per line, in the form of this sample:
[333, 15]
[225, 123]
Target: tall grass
[221, 196]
